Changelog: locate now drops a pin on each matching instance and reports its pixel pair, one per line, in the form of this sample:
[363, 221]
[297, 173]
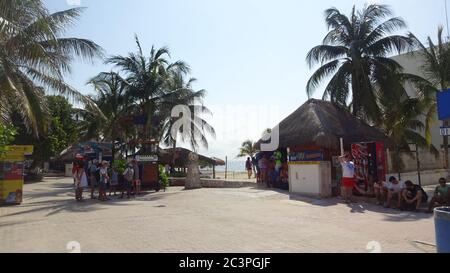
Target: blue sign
[445, 131]
[443, 104]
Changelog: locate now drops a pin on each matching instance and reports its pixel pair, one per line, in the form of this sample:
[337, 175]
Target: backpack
[128, 174]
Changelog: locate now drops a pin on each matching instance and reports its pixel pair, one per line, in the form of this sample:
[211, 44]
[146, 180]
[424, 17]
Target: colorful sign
[306, 156]
[11, 174]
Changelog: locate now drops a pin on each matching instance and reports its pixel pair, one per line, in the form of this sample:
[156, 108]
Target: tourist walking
[249, 167]
[348, 177]
[128, 176]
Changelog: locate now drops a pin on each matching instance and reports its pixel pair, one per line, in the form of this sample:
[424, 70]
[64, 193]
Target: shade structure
[322, 124]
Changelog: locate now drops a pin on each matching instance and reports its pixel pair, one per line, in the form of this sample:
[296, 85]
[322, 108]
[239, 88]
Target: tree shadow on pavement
[60, 198]
[391, 215]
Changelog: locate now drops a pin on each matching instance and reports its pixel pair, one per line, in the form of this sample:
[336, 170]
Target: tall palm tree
[436, 69]
[34, 58]
[114, 104]
[248, 149]
[155, 85]
[147, 78]
[353, 53]
[181, 93]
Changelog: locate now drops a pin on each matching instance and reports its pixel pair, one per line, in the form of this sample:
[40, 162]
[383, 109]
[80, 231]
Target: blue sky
[248, 54]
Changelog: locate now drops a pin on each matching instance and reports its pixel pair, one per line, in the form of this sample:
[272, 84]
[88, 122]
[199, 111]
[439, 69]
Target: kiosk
[11, 174]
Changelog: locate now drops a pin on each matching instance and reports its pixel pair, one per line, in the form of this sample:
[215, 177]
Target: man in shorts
[348, 177]
[394, 192]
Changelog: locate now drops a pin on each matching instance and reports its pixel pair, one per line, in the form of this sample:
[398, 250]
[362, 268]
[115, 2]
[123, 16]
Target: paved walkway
[205, 220]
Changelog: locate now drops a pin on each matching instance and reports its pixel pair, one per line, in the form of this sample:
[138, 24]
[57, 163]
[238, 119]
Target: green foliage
[34, 56]
[353, 55]
[163, 176]
[7, 135]
[59, 131]
[247, 149]
[120, 165]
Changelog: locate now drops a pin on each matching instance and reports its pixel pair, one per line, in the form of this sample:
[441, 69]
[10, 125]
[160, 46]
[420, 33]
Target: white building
[431, 166]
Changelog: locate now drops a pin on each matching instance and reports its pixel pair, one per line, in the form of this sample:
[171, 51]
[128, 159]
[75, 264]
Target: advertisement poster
[11, 182]
[11, 174]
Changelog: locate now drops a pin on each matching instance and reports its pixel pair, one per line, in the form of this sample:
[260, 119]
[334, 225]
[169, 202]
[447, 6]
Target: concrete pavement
[206, 220]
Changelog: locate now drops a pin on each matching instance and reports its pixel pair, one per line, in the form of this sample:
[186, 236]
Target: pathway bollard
[442, 225]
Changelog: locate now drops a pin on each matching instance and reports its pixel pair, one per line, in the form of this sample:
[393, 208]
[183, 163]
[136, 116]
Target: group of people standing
[270, 170]
[93, 175]
[408, 195]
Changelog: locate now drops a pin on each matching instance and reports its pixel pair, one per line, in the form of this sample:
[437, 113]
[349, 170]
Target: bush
[163, 176]
[121, 165]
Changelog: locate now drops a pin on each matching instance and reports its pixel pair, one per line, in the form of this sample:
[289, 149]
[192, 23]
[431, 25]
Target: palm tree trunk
[355, 94]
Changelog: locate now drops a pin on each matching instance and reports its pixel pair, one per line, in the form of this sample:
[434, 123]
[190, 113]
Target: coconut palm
[248, 149]
[436, 69]
[34, 58]
[155, 85]
[181, 93]
[147, 79]
[115, 106]
[356, 49]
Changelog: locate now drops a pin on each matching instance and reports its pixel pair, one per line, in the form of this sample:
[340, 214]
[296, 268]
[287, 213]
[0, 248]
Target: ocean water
[233, 166]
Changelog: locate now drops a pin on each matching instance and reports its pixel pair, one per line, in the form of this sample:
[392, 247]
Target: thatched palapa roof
[321, 123]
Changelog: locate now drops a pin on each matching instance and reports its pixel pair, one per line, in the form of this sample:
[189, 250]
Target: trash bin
[442, 225]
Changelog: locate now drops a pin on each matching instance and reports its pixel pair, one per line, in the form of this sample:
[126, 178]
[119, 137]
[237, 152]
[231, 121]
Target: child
[114, 181]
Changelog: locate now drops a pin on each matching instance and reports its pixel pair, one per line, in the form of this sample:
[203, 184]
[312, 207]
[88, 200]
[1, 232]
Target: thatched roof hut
[321, 124]
[181, 155]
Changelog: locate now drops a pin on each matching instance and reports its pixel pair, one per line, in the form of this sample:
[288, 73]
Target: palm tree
[248, 149]
[353, 53]
[147, 79]
[181, 93]
[34, 58]
[436, 69]
[155, 85]
[115, 106]
[402, 115]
